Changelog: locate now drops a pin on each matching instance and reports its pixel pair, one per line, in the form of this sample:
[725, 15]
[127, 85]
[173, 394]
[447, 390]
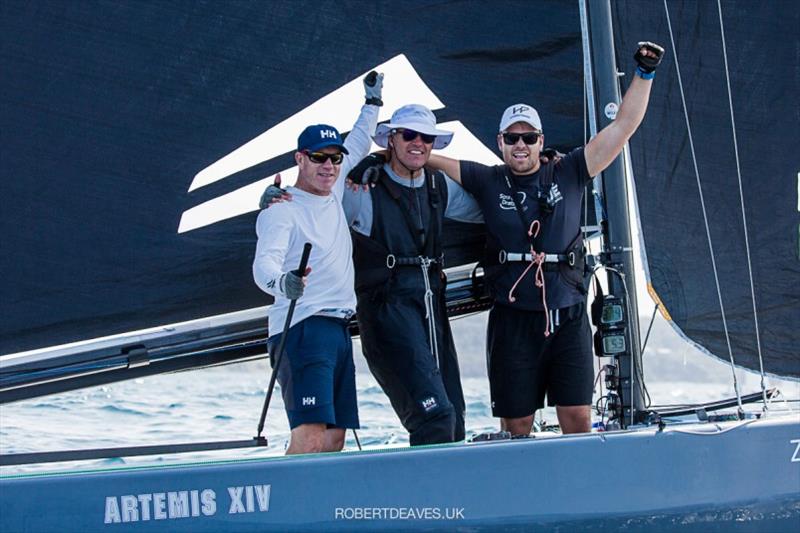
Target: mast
[604, 91]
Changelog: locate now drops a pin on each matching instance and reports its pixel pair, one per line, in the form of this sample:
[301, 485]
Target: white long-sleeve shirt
[285, 227]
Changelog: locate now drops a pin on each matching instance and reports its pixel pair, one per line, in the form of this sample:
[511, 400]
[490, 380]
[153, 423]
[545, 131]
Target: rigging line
[741, 199]
[703, 209]
[585, 109]
[649, 328]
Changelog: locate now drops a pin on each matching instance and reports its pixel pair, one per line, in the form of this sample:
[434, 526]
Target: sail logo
[339, 109]
[183, 504]
[796, 456]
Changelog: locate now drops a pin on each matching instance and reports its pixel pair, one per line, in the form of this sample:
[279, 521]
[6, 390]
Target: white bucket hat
[413, 117]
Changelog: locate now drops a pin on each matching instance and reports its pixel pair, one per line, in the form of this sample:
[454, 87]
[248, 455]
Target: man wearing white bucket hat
[399, 279]
[400, 284]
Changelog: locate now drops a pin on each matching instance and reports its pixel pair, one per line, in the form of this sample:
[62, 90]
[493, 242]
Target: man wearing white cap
[400, 282]
[538, 339]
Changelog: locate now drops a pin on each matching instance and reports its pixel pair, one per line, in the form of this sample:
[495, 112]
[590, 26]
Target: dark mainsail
[764, 67]
[109, 109]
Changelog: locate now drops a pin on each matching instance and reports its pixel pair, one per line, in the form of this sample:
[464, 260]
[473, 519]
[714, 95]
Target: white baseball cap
[413, 117]
[520, 113]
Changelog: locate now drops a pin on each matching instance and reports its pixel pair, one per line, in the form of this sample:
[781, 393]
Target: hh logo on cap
[519, 110]
[330, 134]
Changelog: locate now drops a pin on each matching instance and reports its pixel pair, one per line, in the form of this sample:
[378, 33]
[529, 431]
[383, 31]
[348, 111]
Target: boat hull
[734, 476]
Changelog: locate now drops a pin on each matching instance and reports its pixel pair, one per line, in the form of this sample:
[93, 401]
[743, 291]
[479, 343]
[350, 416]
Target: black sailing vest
[406, 224]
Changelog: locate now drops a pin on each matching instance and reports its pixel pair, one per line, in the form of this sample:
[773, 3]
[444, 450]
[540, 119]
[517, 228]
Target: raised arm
[450, 166]
[359, 139]
[608, 144]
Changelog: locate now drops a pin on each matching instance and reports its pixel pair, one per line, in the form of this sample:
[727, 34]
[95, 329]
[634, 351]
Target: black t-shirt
[493, 192]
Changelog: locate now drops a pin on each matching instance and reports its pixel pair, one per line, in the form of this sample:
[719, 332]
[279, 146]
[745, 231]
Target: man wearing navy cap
[399, 278]
[316, 374]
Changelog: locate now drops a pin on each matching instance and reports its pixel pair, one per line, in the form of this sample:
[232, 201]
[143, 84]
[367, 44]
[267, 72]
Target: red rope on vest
[538, 260]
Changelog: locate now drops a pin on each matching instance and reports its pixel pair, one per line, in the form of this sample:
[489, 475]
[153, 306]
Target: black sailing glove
[373, 88]
[367, 171]
[549, 154]
[648, 63]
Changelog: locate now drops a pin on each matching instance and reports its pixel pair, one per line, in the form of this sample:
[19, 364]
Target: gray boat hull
[711, 477]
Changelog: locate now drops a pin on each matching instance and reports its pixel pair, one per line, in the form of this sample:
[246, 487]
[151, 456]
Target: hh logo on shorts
[429, 404]
[309, 400]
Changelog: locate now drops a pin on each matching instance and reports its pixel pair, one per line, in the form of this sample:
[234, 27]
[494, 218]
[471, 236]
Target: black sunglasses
[511, 139]
[320, 157]
[410, 135]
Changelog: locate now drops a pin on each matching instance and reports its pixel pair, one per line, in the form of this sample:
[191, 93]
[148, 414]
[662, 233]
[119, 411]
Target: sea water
[224, 403]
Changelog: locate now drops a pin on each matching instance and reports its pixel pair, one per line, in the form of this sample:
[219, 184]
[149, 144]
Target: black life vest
[404, 231]
[571, 262]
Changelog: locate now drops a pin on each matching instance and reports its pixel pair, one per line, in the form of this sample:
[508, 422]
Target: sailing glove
[550, 154]
[271, 194]
[373, 88]
[291, 285]
[647, 64]
[367, 171]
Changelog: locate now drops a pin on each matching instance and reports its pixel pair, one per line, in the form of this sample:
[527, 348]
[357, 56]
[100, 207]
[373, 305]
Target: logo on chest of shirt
[550, 196]
[507, 201]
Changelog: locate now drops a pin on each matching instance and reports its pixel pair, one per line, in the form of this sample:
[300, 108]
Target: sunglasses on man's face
[410, 135]
[511, 139]
[320, 157]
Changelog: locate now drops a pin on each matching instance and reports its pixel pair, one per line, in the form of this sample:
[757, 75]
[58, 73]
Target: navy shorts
[317, 374]
[524, 365]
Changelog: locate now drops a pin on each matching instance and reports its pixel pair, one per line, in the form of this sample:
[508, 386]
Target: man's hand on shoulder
[274, 194]
[366, 173]
[550, 154]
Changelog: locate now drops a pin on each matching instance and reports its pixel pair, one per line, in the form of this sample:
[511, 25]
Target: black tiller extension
[279, 352]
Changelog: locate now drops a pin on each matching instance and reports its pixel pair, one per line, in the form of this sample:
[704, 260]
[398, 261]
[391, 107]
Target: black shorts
[524, 365]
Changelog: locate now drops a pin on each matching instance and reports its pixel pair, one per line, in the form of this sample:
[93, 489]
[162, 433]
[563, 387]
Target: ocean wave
[124, 410]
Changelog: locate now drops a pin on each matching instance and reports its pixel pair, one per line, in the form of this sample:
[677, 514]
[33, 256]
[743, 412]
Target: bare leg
[517, 426]
[574, 418]
[334, 440]
[307, 438]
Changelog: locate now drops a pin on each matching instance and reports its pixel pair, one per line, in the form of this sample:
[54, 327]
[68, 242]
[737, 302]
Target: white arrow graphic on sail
[339, 108]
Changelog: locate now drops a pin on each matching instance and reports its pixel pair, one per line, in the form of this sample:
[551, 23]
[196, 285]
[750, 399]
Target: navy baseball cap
[320, 136]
